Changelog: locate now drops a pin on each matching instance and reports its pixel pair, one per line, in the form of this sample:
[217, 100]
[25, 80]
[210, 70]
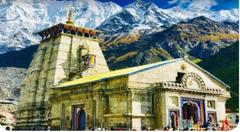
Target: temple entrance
[173, 115]
[78, 118]
[81, 119]
[193, 112]
[190, 113]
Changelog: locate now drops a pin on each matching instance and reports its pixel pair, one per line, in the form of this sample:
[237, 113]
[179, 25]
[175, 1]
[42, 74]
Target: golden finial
[69, 20]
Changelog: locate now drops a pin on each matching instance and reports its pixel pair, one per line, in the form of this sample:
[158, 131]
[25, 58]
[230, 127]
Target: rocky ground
[11, 108]
[10, 78]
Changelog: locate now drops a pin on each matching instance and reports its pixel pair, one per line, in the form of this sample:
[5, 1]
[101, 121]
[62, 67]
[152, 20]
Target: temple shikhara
[69, 86]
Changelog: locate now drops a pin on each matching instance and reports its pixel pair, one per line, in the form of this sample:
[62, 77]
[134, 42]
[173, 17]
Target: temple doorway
[81, 119]
[192, 112]
[173, 115]
[78, 118]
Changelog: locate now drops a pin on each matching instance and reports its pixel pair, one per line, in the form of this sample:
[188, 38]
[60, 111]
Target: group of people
[209, 126]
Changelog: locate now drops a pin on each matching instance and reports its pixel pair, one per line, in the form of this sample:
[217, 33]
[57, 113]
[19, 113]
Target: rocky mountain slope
[135, 20]
[164, 35]
[199, 37]
[232, 25]
[10, 80]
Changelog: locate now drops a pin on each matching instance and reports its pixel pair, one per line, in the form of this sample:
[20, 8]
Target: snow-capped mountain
[181, 14]
[137, 16]
[146, 15]
[226, 15]
[20, 19]
[142, 18]
[199, 37]
[135, 20]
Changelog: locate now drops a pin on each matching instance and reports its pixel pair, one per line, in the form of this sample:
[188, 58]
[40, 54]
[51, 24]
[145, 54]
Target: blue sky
[210, 4]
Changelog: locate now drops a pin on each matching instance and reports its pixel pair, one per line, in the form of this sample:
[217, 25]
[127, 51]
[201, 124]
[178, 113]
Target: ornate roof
[183, 87]
[68, 28]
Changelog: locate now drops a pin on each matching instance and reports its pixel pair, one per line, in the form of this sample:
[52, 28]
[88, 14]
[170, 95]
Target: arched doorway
[190, 113]
[212, 119]
[174, 120]
[81, 119]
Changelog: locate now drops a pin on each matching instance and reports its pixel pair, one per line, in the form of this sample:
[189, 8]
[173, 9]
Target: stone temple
[69, 86]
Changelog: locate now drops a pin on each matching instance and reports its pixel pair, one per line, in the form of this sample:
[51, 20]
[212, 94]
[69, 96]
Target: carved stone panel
[193, 81]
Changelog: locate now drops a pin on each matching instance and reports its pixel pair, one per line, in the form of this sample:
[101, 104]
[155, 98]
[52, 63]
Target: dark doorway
[78, 118]
[190, 112]
[81, 119]
[173, 119]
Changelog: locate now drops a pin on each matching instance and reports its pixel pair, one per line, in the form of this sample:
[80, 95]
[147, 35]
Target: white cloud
[202, 4]
[172, 2]
[194, 4]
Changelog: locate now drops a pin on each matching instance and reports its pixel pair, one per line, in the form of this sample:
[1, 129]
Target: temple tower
[66, 52]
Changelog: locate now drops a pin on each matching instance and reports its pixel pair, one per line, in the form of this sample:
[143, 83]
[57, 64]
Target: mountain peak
[203, 19]
[141, 4]
[139, 15]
